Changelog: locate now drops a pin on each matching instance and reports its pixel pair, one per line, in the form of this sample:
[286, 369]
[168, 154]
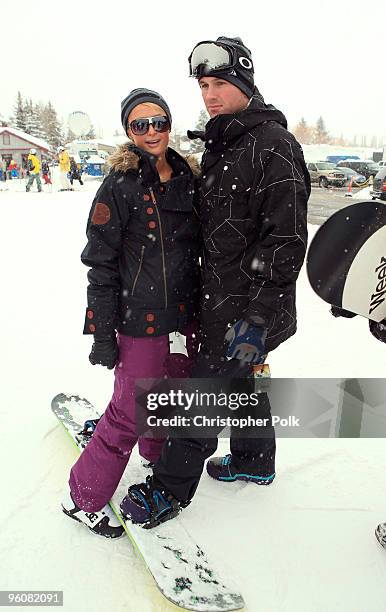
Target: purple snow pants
[96, 475]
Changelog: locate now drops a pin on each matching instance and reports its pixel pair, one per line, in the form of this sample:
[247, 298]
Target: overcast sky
[311, 57]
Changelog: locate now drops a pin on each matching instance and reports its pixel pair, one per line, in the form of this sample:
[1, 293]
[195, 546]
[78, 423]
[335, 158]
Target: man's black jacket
[254, 193]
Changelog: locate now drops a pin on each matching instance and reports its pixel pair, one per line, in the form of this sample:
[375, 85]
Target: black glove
[341, 312]
[104, 351]
[378, 330]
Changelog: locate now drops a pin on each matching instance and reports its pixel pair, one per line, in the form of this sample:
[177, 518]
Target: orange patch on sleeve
[101, 214]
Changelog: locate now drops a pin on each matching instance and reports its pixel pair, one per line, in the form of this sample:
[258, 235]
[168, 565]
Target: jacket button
[150, 210]
[181, 307]
[150, 317]
[92, 328]
[152, 224]
[150, 330]
[146, 197]
[90, 314]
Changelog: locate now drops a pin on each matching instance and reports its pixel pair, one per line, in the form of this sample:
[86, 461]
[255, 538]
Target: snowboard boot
[149, 504]
[103, 523]
[380, 534]
[220, 468]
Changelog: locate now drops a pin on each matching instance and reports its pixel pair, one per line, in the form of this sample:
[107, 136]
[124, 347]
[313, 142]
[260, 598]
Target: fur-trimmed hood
[127, 157]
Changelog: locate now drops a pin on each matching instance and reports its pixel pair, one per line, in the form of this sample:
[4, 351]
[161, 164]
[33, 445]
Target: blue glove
[246, 342]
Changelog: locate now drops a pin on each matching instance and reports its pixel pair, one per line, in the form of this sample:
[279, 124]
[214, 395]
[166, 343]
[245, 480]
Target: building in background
[16, 145]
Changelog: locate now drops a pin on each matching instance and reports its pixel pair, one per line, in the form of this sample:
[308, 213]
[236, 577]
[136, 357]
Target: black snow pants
[182, 459]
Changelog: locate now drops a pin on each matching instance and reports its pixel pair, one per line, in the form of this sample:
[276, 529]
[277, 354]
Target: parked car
[382, 163]
[379, 185]
[325, 174]
[366, 167]
[358, 179]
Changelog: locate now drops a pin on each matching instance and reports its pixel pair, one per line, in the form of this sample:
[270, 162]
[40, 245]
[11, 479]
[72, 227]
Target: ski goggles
[209, 56]
[139, 127]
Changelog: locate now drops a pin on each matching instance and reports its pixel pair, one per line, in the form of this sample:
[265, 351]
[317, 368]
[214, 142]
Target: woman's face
[152, 142]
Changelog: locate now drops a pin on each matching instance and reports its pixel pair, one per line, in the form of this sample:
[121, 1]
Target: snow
[305, 543]
[319, 152]
[363, 194]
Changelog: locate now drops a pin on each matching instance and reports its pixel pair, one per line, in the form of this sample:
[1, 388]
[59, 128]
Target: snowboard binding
[150, 505]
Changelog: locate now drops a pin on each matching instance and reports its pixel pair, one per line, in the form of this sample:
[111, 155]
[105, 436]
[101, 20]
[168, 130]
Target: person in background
[13, 169]
[33, 164]
[3, 168]
[46, 172]
[75, 173]
[64, 169]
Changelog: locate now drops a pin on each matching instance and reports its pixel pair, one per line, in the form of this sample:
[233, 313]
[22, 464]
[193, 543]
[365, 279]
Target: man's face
[221, 97]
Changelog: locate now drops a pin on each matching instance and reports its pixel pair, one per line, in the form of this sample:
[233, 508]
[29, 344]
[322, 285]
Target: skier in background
[142, 249]
[255, 188]
[75, 173]
[33, 165]
[64, 169]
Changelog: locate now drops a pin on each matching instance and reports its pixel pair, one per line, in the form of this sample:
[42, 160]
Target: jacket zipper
[162, 246]
[139, 269]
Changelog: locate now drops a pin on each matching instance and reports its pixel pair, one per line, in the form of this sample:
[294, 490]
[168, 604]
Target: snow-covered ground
[305, 544]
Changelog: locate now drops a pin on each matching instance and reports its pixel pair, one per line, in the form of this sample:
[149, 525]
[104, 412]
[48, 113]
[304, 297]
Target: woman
[143, 283]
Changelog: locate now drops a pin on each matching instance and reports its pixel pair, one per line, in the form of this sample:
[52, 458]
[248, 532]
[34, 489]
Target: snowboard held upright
[179, 566]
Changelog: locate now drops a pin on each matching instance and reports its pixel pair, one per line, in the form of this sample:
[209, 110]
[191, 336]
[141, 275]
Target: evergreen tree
[30, 124]
[39, 120]
[52, 127]
[321, 134]
[303, 132]
[175, 139]
[197, 145]
[70, 136]
[19, 114]
[34, 114]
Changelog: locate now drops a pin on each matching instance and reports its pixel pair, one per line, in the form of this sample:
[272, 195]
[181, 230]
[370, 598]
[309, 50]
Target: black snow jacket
[74, 170]
[143, 248]
[254, 193]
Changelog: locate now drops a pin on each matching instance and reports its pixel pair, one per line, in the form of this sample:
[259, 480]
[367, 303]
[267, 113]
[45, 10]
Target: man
[254, 193]
[33, 165]
[64, 169]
